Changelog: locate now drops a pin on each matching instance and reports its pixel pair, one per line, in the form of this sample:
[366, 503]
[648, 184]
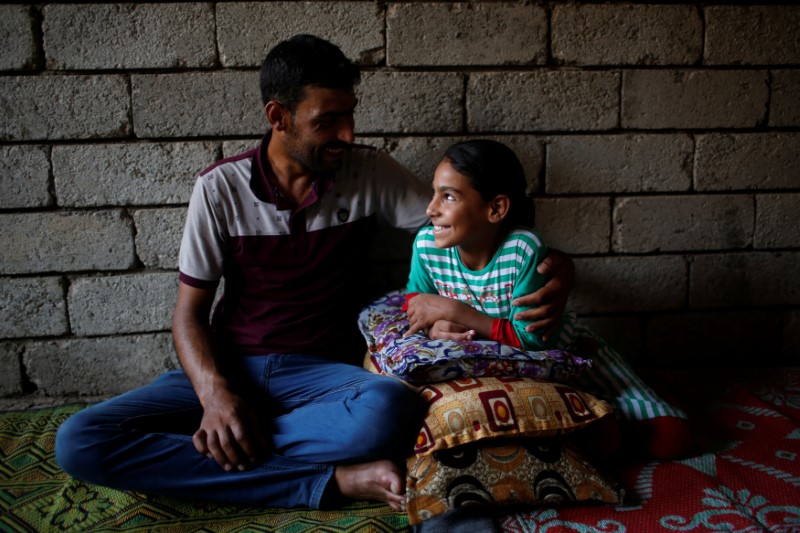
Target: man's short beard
[305, 155]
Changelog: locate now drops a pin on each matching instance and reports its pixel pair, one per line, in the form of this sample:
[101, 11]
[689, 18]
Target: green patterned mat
[35, 495]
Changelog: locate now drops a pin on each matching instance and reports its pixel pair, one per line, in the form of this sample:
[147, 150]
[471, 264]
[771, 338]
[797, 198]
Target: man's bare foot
[379, 480]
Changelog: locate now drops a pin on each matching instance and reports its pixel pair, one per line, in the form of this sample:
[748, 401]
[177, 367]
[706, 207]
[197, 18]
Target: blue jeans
[319, 413]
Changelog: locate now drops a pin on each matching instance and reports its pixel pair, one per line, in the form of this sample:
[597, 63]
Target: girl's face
[461, 217]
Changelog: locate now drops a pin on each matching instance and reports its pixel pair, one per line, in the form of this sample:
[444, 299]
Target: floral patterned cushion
[420, 359]
[489, 473]
[471, 409]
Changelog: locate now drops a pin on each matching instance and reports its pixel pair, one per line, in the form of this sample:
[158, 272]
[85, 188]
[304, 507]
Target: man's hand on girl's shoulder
[548, 303]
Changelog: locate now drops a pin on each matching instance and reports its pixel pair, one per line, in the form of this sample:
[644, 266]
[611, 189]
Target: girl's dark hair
[304, 60]
[493, 168]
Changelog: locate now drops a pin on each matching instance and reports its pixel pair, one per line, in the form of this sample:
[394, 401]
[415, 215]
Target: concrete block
[381, 143]
[103, 365]
[129, 174]
[10, 370]
[701, 99]
[158, 236]
[624, 333]
[619, 163]
[719, 339]
[461, 33]
[422, 155]
[246, 31]
[745, 279]
[542, 101]
[56, 107]
[18, 38]
[612, 284]
[749, 161]
[626, 34]
[785, 101]
[232, 148]
[752, 35]
[777, 221]
[24, 177]
[122, 304]
[403, 102]
[682, 223]
[197, 104]
[65, 242]
[575, 225]
[129, 36]
[31, 307]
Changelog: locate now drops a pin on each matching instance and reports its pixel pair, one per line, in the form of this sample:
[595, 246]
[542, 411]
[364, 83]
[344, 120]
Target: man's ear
[498, 208]
[278, 116]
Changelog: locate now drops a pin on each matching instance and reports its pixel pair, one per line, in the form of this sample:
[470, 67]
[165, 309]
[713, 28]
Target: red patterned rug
[743, 477]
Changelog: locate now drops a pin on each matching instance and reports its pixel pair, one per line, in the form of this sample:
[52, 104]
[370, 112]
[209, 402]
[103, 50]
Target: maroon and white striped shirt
[293, 279]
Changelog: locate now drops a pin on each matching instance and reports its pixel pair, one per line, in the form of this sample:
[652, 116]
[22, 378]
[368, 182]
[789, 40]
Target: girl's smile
[461, 217]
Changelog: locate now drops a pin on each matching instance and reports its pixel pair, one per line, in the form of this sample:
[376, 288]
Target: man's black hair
[304, 60]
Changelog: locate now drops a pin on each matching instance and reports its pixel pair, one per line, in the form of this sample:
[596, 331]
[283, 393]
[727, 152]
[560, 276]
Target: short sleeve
[402, 198]
[529, 281]
[202, 247]
[419, 278]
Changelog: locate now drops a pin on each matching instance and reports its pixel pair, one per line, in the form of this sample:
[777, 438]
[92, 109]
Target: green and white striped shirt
[510, 273]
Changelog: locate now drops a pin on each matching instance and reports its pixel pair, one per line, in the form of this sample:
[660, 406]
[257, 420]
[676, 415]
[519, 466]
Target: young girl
[480, 254]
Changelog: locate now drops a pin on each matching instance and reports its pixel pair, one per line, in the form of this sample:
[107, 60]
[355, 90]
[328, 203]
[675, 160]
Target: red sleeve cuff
[503, 332]
[408, 299]
[198, 283]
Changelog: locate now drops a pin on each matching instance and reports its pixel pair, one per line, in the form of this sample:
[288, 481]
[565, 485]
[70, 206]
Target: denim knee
[76, 448]
[398, 410]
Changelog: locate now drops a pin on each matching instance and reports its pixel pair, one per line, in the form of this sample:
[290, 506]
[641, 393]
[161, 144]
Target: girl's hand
[548, 302]
[453, 331]
[425, 309]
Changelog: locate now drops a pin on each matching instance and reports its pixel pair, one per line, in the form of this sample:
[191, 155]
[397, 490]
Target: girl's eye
[449, 197]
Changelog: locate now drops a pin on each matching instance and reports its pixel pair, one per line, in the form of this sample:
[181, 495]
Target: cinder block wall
[663, 142]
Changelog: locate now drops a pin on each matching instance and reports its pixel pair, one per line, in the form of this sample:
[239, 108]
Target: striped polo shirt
[294, 279]
[510, 273]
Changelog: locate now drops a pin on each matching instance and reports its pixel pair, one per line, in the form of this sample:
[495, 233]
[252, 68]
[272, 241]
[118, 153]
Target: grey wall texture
[662, 142]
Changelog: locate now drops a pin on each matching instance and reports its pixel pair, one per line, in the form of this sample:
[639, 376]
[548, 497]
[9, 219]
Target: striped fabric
[510, 273]
[488, 290]
[613, 379]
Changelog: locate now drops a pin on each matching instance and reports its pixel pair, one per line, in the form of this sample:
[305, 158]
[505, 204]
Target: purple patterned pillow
[422, 360]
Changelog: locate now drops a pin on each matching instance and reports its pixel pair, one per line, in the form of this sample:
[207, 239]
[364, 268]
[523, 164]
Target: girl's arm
[424, 310]
[424, 306]
[419, 283]
[542, 308]
[419, 279]
[529, 280]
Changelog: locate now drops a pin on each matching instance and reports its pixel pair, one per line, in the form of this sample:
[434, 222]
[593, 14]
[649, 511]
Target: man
[268, 393]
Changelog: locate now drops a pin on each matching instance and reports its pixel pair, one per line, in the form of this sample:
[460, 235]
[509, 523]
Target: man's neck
[292, 180]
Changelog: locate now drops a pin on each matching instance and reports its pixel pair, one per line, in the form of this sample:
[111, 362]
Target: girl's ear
[277, 115]
[498, 208]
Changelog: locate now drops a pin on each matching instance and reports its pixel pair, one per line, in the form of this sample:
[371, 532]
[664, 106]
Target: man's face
[321, 129]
